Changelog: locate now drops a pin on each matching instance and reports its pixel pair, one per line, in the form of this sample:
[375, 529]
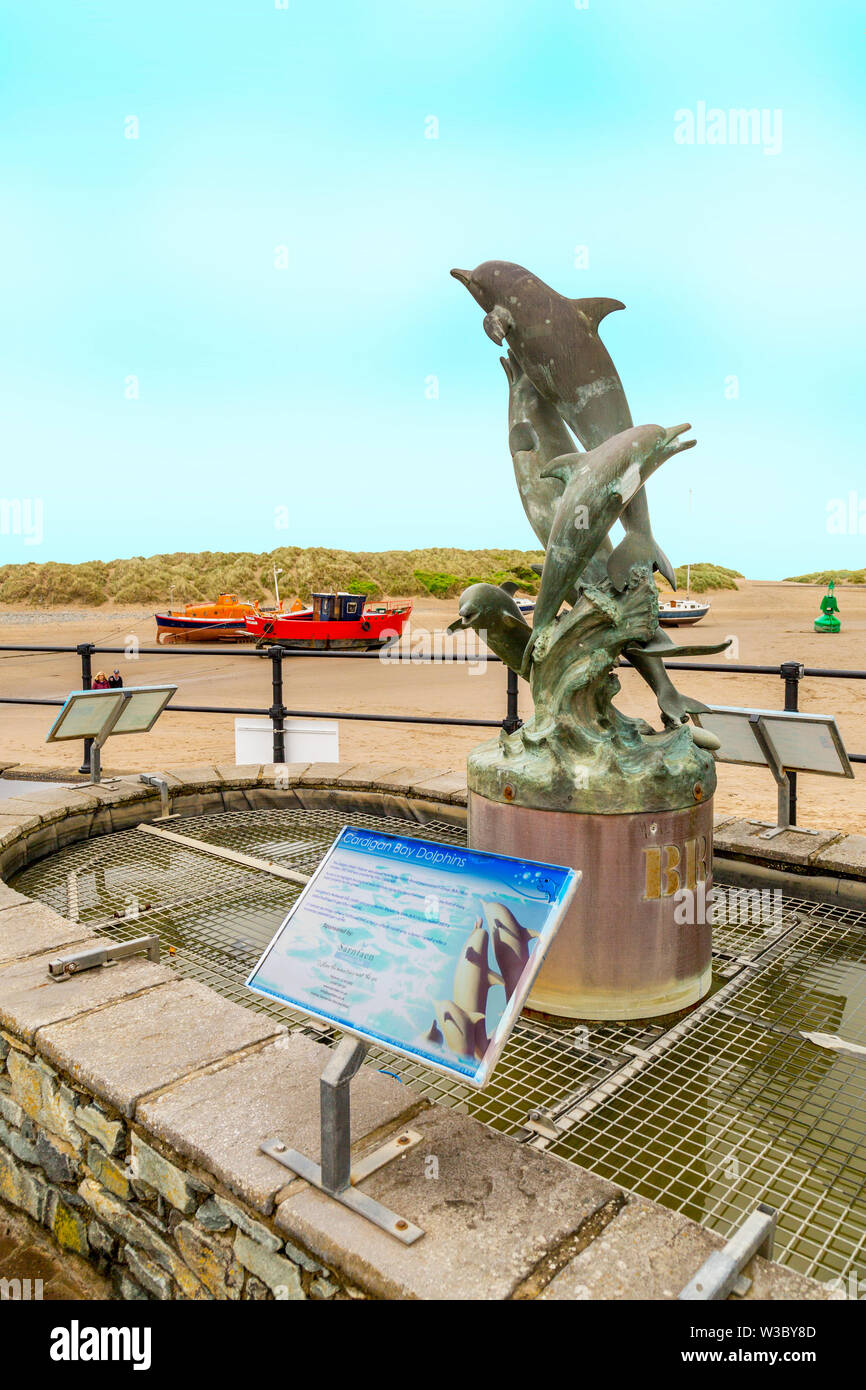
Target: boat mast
[276, 585]
[688, 567]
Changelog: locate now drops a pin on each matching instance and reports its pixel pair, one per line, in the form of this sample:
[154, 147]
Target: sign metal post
[335, 1174]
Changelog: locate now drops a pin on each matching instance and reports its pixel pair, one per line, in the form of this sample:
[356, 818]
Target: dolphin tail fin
[494, 979]
[667, 649]
[597, 309]
[664, 566]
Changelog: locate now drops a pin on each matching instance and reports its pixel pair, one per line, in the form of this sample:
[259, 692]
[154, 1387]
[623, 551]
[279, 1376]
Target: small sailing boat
[680, 612]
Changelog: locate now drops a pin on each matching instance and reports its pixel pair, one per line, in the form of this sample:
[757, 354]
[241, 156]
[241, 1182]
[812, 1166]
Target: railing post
[792, 673]
[512, 719]
[85, 651]
[277, 710]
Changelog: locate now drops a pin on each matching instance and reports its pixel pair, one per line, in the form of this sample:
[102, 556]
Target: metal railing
[791, 672]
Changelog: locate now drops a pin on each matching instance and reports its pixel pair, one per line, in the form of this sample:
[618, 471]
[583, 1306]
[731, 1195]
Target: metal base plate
[775, 830]
[351, 1197]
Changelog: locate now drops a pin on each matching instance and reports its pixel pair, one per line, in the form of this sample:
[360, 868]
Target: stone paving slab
[283, 773]
[647, 1252]
[25, 808]
[136, 1046]
[9, 898]
[846, 856]
[404, 777]
[451, 785]
[743, 837]
[493, 1212]
[366, 776]
[324, 774]
[219, 1120]
[33, 929]
[13, 826]
[30, 1000]
[240, 774]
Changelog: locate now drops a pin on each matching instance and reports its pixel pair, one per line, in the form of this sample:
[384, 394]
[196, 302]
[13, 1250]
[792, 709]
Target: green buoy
[828, 622]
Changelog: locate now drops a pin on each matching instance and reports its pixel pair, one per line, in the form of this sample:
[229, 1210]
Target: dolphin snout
[464, 276]
[671, 447]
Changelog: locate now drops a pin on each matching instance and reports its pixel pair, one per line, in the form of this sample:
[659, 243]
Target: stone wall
[133, 1104]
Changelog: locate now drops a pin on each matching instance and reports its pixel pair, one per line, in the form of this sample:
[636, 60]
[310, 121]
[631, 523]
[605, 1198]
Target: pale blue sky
[304, 387]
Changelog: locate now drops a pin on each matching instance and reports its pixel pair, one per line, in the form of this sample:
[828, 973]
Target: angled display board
[793, 741]
[94, 714]
[429, 949]
[133, 709]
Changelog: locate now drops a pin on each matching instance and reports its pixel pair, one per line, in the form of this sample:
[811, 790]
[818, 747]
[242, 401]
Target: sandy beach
[770, 622]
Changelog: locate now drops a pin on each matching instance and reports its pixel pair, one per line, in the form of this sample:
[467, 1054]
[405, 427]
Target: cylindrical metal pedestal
[635, 943]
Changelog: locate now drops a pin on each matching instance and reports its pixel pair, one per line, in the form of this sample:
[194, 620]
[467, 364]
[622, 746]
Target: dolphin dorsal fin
[509, 587]
[562, 467]
[597, 309]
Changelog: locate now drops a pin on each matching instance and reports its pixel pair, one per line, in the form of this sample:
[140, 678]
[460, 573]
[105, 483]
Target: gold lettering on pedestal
[653, 883]
[672, 877]
[662, 876]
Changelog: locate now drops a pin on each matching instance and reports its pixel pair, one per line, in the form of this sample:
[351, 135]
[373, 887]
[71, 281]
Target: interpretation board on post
[429, 949]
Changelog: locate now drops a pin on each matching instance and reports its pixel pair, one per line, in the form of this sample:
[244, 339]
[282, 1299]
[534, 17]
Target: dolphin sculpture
[491, 610]
[598, 487]
[555, 340]
[648, 661]
[537, 436]
[473, 977]
[511, 943]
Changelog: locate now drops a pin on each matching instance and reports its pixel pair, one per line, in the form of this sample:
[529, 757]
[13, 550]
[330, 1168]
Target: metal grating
[709, 1115]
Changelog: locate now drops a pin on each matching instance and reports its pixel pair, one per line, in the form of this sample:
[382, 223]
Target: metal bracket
[64, 967]
[783, 786]
[722, 1274]
[335, 1174]
[150, 779]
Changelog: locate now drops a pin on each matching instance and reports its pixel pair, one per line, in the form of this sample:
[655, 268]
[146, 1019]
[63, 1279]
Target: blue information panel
[427, 948]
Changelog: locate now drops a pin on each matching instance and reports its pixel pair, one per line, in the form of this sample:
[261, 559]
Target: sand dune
[771, 622]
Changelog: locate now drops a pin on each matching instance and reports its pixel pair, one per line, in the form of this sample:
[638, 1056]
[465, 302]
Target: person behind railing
[115, 680]
[101, 682]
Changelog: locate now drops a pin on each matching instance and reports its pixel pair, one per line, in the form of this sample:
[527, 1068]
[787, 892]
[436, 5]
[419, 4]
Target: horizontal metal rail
[790, 672]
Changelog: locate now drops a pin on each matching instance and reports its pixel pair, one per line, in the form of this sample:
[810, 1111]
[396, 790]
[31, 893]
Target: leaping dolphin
[556, 341]
[598, 487]
[490, 609]
[537, 436]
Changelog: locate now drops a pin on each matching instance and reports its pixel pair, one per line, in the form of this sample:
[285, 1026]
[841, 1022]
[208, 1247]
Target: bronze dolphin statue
[556, 341]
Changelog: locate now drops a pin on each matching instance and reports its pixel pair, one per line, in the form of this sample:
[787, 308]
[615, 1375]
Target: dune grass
[704, 576]
[188, 578]
[824, 577]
